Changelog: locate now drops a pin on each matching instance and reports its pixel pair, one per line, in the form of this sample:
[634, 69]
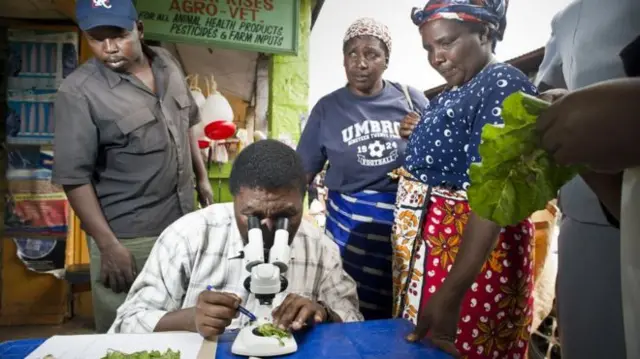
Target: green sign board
[269, 26]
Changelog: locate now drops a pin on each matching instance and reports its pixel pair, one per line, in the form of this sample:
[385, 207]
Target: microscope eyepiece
[253, 222]
[282, 223]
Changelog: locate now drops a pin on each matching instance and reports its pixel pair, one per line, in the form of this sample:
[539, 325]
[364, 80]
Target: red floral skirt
[497, 310]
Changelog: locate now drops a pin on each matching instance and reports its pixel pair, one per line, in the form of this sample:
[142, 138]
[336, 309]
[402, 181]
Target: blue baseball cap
[94, 13]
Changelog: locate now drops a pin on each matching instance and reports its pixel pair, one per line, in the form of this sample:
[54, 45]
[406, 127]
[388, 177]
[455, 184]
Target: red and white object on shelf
[215, 111]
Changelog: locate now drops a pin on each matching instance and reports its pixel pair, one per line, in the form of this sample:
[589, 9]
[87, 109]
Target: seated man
[206, 248]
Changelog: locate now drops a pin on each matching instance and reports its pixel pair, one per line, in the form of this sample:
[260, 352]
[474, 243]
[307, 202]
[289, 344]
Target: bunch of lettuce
[515, 177]
[154, 354]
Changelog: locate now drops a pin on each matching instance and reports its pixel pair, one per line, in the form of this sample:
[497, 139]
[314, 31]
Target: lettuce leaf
[515, 177]
[154, 354]
[270, 330]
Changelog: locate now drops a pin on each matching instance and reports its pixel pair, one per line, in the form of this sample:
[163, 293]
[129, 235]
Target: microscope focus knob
[284, 283]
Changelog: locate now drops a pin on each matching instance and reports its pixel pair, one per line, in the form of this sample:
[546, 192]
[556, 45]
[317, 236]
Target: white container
[215, 108]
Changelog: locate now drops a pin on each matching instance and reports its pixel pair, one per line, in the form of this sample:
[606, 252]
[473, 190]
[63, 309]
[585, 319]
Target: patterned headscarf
[490, 12]
[369, 27]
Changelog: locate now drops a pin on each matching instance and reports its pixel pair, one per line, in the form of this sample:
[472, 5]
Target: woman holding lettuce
[459, 277]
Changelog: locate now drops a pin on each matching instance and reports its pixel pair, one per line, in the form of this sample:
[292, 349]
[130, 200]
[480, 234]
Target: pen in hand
[241, 309]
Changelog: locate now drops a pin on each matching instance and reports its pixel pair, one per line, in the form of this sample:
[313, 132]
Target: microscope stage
[249, 344]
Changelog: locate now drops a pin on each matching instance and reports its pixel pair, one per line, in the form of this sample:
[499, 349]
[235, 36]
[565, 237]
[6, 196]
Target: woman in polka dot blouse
[458, 277]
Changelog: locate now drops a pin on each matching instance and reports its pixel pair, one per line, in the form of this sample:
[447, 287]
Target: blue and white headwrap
[493, 13]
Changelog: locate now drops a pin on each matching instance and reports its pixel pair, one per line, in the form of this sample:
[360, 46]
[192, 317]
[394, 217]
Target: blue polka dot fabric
[445, 143]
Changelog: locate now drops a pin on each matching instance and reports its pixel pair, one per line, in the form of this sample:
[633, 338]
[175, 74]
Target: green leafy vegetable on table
[515, 177]
[155, 354]
[269, 330]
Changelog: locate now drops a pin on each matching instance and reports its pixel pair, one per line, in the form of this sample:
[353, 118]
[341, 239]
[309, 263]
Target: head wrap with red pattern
[492, 13]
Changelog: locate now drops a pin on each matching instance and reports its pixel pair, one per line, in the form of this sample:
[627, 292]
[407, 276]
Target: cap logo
[101, 3]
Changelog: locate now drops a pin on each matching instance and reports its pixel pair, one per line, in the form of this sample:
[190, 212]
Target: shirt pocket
[144, 132]
[184, 108]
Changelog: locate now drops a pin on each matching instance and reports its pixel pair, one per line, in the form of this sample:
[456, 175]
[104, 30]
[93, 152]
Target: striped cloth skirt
[361, 224]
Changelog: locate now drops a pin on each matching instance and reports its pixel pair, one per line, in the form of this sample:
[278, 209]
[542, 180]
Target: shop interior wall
[26, 297]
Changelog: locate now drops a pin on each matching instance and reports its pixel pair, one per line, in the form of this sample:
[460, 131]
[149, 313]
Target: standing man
[588, 40]
[124, 148]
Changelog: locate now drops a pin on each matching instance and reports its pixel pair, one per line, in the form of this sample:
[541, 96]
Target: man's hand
[596, 127]
[440, 319]
[553, 95]
[214, 312]
[408, 124]
[117, 267]
[296, 311]
[205, 193]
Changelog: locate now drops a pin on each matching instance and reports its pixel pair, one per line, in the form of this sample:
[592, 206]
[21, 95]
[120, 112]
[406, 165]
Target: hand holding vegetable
[513, 164]
[296, 311]
[596, 126]
[214, 312]
[553, 95]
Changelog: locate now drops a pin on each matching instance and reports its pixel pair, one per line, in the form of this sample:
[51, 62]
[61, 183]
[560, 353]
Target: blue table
[366, 340]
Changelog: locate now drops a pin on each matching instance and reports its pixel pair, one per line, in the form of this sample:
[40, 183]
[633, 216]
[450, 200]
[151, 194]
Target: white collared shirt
[205, 248]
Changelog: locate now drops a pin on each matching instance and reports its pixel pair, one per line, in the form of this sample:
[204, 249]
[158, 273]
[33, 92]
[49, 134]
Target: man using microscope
[205, 264]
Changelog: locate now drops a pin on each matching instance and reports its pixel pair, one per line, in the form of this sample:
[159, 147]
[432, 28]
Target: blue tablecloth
[379, 339]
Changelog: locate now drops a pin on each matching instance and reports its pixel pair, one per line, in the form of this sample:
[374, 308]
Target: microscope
[266, 279]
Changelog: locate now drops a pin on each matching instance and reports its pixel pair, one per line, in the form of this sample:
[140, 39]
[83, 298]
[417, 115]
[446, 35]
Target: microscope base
[249, 344]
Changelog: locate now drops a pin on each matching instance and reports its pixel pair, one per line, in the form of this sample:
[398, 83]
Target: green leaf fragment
[269, 330]
[515, 177]
[154, 354]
